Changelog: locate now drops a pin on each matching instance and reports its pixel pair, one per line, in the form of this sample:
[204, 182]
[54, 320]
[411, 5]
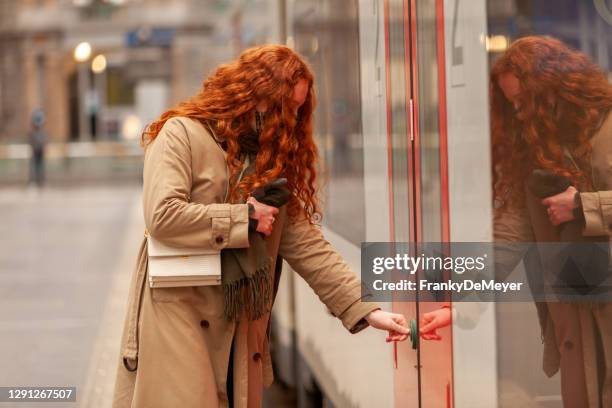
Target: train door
[424, 374]
[430, 174]
[430, 200]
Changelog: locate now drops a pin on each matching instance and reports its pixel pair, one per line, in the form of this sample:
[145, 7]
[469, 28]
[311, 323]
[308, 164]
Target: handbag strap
[591, 176]
[568, 154]
[245, 165]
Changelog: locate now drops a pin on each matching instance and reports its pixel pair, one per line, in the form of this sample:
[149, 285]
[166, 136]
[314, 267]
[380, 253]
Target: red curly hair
[563, 100]
[228, 100]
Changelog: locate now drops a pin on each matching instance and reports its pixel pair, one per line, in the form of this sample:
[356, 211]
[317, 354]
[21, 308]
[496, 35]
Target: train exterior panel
[403, 128]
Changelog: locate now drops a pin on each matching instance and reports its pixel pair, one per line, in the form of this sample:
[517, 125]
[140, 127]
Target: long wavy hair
[563, 100]
[228, 101]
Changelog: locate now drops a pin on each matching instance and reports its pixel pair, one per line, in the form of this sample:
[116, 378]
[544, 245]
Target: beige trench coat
[177, 338]
[569, 330]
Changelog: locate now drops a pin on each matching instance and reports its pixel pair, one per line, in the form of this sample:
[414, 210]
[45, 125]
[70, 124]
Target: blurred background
[100, 70]
[402, 126]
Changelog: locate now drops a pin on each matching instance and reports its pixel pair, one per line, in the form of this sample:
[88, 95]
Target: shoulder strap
[570, 157]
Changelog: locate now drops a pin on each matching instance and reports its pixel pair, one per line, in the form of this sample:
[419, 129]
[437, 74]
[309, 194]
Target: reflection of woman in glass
[551, 112]
[207, 346]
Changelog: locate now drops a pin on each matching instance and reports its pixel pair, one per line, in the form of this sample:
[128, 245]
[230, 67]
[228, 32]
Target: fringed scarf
[246, 273]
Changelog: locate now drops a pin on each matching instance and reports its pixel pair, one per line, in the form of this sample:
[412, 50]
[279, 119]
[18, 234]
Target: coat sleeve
[169, 214]
[597, 210]
[513, 233]
[303, 246]
[597, 205]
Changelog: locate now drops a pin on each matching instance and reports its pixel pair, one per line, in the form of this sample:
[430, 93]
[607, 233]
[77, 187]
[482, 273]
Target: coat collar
[209, 126]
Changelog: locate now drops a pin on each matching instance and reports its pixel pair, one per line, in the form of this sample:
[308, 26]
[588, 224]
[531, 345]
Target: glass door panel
[402, 185]
[435, 357]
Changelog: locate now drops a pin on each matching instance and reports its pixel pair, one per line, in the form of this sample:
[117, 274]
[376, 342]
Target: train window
[587, 27]
[584, 25]
[328, 37]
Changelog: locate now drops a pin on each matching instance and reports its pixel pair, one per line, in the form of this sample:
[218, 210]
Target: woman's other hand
[561, 206]
[394, 323]
[264, 214]
[433, 321]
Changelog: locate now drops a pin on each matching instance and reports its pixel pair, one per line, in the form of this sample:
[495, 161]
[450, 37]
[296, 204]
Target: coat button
[257, 356]
[219, 239]
[204, 323]
[568, 345]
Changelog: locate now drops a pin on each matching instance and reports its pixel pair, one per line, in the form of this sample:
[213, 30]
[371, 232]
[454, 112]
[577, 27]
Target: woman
[207, 346]
[551, 112]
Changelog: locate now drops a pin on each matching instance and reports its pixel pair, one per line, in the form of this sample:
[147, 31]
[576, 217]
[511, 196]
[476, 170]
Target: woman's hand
[394, 323]
[264, 214]
[561, 206]
[433, 321]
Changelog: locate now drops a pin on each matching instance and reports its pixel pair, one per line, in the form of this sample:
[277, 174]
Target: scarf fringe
[249, 295]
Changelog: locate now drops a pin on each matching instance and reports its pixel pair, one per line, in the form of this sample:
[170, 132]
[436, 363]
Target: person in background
[38, 139]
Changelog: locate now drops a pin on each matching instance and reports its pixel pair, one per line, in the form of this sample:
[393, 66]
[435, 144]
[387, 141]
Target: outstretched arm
[337, 286]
